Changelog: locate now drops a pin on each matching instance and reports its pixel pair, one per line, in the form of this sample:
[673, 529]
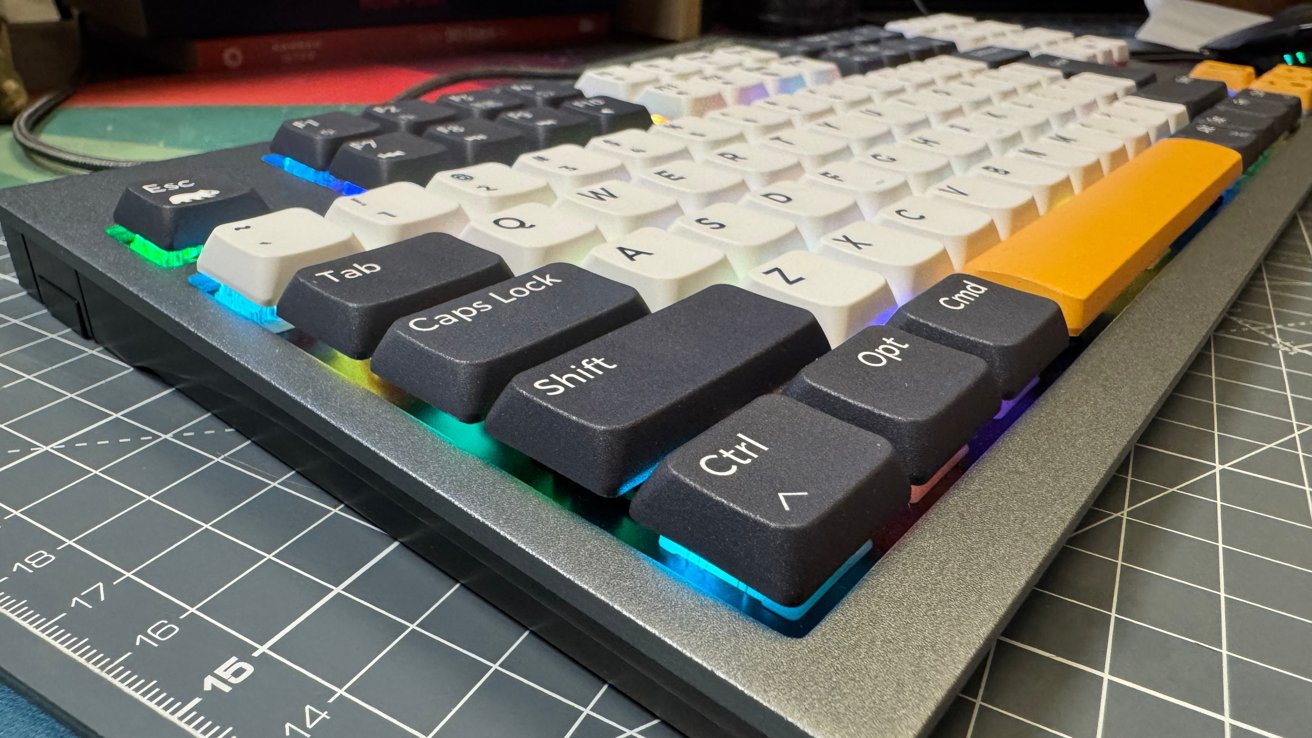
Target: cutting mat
[161, 570]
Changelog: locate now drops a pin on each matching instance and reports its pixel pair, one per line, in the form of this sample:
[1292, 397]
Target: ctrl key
[777, 495]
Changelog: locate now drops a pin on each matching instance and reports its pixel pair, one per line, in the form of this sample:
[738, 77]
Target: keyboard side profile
[887, 656]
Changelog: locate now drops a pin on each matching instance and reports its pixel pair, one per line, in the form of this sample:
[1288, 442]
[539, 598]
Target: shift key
[605, 413]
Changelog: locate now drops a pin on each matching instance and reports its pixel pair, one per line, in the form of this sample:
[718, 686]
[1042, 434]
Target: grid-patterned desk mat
[1182, 606]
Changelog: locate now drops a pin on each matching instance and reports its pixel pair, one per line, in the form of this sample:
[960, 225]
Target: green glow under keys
[148, 250]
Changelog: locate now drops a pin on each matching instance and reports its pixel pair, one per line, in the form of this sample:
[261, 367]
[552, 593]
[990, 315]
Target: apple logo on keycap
[183, 198]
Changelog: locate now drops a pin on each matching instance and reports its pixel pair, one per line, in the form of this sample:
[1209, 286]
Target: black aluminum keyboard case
[885, 662]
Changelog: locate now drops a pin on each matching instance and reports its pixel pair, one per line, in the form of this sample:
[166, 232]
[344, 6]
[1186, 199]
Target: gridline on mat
[1181, 606]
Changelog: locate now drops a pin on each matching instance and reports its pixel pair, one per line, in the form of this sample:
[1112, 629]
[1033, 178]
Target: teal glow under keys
[312, 175]
[701, 565]
[266, 315]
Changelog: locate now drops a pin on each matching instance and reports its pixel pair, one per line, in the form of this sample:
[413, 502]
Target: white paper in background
[1189, 25]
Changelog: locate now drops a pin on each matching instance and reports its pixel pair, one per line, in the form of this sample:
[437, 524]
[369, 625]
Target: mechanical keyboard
[763, 379]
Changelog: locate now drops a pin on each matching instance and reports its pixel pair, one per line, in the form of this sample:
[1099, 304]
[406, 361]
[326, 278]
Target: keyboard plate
[946, 589]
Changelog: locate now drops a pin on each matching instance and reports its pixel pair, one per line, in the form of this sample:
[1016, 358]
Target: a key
[968, 97]
[746, 237]
[1141, 75]
[1011, 208]
[475, 141]
[871, 188]
[531, 235]
[1118, 86]
[992, 57]
[1072, 50]
[1081, 102]
[1195, 95]
[910, 263]
[753, 122]
[605, 413]
[256, 257]
[1110, 50]
[920, 169]
[736, 86]
[841, 96]
[349, 302]
[549, 92]
[881, 86]
[668, 70]
[746, 54]
[693, 185]
[753, 497]
[619, 208]
[392, 157]
[936, 108]
[411, 116]
[177, 212]
[486, 104]
[964, 232]
[855, 60]
[814, 150]
[758, 166]
[546, 126]
[618, 81]
[777, 81]
[1048, 185]
[962, 151]
[859, 131]
[814, 71]
[1247, 143]
[487, 188]
[926, 399]
[999, 137]
[394, 213]
[639, 150]
[1285, 83]
[1132, 136]
[662, 267]
[842, 299]
[1080, 165]
[1155, 122]
[1282, 109]
[1265, 129]
[315, 140]
[1033, 38]
[902, 121]
[698, 135]
[568, 167]
[608, 115]
[1059, 112]
[458, 355]
[677, 99]
[813, 210]
[1177, 115]
[800, 109]
[1016, 333]
[1110, 150]
[1085, 256]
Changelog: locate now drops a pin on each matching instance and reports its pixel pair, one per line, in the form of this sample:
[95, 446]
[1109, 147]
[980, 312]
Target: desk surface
[1181, 606]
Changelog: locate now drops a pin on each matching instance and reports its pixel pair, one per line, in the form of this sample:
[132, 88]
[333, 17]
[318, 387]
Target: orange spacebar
[1088, 251]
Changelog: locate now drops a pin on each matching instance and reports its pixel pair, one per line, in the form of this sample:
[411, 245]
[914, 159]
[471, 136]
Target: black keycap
[486, 104]
[1247, 143]
[315, 140]
[1139, 74]
[855, 60]
[391, 157]
[799, 47]
[869, 34]
[411, 116]
[179, 211]
[349, 303]
[609, 115]
[476, 141]
[546, 127]
[926, 399]
[1017, 334]
[778, 495]
[892, 54]
[1286, 109]
[606, 412]
[1196, 95]
[918, 49]
[459, 355]
[1266, 128]
[548, 92]
[994, 56]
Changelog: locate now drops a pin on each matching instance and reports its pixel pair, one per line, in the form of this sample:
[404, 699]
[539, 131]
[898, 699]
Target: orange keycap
[1235, 76]
[1287, 85]
[1085, 253]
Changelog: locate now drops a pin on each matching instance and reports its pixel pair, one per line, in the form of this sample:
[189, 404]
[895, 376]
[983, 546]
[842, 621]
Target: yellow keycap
[1085, 253]
[1289, 71]
[1287, 85]
[1235, 76]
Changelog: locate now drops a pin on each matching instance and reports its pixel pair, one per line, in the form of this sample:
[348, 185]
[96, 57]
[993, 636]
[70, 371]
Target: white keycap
[913, 77]
[749, 54]
[1083, 168]
[800, 109]
[1045, 75]
[677, 99]
[964, 67]
[901, 121]
[1022, 82]
[859, 131]
[1060, 112]
[918, 168]
[662, 267]
[487, 188]
[1177, 116]
[968, 98]
[695, 186]
[568, 167]
[669, 70]
[1109, 149]
[778, 80]
[937, 74]
[532, 235]
[757, 165]
[745, 236]
[870, 187]
[736, 86]
[1082, 102]
[813, 210]
[639, 150]
[709, 60]
[962, 151]
[936, 108]
[1134, 136]
[1110, 50]
[1118, 86]
[966, 38]
[964, 233]
[619, 208]
[1155, 122]
[998, 88]
[842, 299]
[840, 95]
[881, 86]
[1071, 50]
[1033, 38]
[755, 123]
[1103, 97]
[258, 256]
[1011, 208]
[909, 262]
[698, 135]
[394, 213]
[812, 149]
[1032, 124]
[999, 137]
[1049, 185]
[814, 71]
[619, 82]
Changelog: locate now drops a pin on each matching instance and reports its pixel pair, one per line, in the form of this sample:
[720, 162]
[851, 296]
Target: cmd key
[314, 141]
[459, 355]
[778, 495]
[348, 303]
[1017, 334]
[604, 413]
